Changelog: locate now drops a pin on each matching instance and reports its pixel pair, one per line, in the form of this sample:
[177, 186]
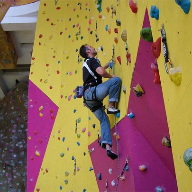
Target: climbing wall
[63, 153]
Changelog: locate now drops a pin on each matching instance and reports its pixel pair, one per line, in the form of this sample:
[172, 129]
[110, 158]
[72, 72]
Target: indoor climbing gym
[57, 134]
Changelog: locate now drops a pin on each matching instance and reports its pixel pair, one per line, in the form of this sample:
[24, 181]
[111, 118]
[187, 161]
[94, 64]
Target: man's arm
[101, 71]
[106, 65]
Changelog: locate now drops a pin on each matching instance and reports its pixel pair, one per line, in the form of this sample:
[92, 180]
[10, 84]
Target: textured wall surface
[66, 137]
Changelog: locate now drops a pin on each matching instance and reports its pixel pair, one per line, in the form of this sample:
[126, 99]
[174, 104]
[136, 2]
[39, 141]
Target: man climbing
[95, 91]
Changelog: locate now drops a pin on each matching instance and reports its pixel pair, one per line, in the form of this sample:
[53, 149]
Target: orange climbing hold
[156, 48]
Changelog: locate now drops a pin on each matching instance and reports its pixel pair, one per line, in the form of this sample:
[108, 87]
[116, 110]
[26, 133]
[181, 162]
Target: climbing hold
[29, 138]
[138, 90]
[66, 182]
[116, 135]
[127, 168]
[156, 72]
[84, 190]
[110, 171]
[113, 183]
[116, 39]
[154, 12]
[84, 129]
[63, 139]
[40, 114]
[184, 4]
[109, 30]
[156, 48]
[78, 120]
[91, 168]
[78, 169]
[89, 21]
[124, 89]
[146, 34]
[108, 9]
[187, 157]
[40, 36]
[93, 126]
[128, 56]
[118, 22]
[89, 133]
[166, 142]
[74, 111]
[131, 115]
[78, 143]
[37, 153]
[99, 2]
[142, 167]
[78, 135]
[106, 27]
[133, 6]
[117, 115]
[175, 75]
[66, 173]
[124, 35]
[119, 59]
[69, 98]
[99, 176]
[73, 158]
[60, 187]
[37, 189]
[158, 189]
[100, 16]
[62, 154]
[116, 30]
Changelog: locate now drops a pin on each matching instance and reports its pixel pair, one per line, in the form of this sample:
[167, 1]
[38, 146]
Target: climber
[95, 91]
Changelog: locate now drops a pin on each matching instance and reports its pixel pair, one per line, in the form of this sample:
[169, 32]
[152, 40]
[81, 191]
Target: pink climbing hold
[84, 129]
[133, 6]
[69, 98]
[89, 133]
[89, 21]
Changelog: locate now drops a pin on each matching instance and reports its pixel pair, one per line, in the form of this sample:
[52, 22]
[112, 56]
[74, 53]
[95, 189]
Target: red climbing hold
[58, 8]
[133, 6]
[119, 59]
[156, 47]
[40, 35]
[128, 55]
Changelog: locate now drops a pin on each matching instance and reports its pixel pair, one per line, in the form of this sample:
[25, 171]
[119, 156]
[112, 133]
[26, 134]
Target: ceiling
[20, 23]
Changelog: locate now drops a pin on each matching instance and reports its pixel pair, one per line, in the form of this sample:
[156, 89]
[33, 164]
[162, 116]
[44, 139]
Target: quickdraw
[121, 176]
[165, 49]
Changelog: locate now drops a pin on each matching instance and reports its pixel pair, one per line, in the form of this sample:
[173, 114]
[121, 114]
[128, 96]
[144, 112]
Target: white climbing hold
[113, 183]
[103, 17]
[110, 171]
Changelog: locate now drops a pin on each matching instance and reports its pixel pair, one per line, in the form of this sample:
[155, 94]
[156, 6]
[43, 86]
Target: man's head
[87, 51]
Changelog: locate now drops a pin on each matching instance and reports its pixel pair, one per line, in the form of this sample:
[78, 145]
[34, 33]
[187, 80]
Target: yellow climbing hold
[40, 108]
[29, 138]
[175, 75]
[40, 114]
[124, 35]
[37, 153]
[46, 80]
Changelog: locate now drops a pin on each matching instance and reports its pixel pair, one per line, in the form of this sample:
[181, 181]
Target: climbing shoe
[112, 110]
[111, 154]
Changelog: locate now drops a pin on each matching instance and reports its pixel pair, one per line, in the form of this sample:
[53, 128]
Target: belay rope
[118, 162]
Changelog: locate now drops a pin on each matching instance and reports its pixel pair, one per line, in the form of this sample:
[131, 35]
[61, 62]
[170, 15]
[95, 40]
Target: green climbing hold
[187, 157]
[66, 182]
[78, 120]
[62, 154]
[99, 2]
[146, 34]
[78, 135]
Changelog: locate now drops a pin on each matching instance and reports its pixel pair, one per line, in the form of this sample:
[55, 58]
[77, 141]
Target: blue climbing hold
[73, 158]
[89, 118]
[106, 27]
[117, 115]
[74, 97]
[60, 188]
[63, 139]
[73, 26]
[69, 36]
[76, 50]
[111, 63]
[74, 111]
[127, 168]
[78, 143]
[81, 37]
[131, 115]
[184, 4]
[159, 189]
[91, 168]
[84, 190]
[154, 12]
[69, 19]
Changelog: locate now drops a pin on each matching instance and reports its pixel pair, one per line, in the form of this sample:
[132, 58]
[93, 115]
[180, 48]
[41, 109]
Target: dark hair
[82, 51]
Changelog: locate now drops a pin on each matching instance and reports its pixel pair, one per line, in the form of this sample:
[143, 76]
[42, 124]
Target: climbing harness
[165, 49]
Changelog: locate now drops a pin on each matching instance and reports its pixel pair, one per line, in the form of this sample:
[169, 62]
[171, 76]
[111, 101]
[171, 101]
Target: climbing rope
[116, 136]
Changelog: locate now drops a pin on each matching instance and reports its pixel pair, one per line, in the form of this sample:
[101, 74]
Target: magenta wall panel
[140, 137]
[39, 130]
